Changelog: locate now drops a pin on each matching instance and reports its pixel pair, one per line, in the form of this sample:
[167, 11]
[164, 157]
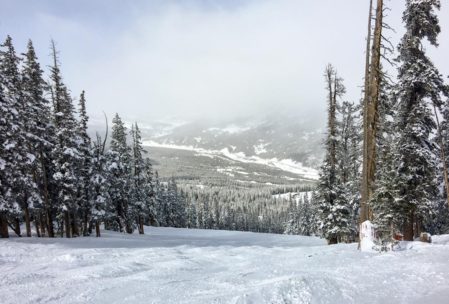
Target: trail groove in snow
[170, 265]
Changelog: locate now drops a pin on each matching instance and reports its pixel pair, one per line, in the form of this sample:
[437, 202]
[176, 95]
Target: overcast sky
[147, 59]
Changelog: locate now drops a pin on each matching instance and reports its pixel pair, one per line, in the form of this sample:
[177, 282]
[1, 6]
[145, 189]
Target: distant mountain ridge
[278, 149]
[280, 137]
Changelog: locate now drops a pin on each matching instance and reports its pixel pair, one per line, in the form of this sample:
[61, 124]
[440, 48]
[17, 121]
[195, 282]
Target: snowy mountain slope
[276, 149]
[169, 265]
[287, 165]
[278, 136]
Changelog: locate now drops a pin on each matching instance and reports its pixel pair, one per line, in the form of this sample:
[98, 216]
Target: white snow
[260, 148]
[169, 265]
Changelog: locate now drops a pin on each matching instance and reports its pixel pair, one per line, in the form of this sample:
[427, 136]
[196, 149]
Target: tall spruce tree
[40, 135]
[349, 163]
[99, 186]
[334, 210]
[84, 169]
[419, 88]
[66, 153]
[142, 193]
[119, 172]
[11, 136]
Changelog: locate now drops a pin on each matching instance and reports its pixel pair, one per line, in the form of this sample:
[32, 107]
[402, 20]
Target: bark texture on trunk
[409, 225]
[140, 225]
[97, 228]
[36, 224]
[27, 221]
[372, 88]
[3, 226]
[67, 224]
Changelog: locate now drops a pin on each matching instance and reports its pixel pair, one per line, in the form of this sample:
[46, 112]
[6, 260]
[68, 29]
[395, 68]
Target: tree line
[386, 158]
[53, 175]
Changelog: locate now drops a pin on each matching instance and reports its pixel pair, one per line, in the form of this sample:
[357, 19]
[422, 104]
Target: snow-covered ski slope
[170, 265]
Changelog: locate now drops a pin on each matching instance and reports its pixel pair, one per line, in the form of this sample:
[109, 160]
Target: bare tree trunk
[140, 225]
[43, 222]
[85, 222]
[48, 217]
[36, 224]
[49, 222]
[3, 226]
[409, 225]
[67, 224]
[332, 241]
[90, 227]
[97, 228]
[74, 225]
[372, 88]
[27, 220]
[16, 227]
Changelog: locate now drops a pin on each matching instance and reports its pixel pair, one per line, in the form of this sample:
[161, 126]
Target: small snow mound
[442, 239]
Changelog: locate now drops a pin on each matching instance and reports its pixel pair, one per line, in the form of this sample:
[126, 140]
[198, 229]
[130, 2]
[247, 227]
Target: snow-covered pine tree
[349, 162]
[119, 173]
[158, 196]
[442, 221]
[98, 186]
[191, 213]
[419, 88]
[66, 153]
[142, 193]
[293, 221]
[84, 168]
[40, 136]
[174, 206]
[334, 210]
[305, 215]
[150, 188]
[382, 202]
[11, 133]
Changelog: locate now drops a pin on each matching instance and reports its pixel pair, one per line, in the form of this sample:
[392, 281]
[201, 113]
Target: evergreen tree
[11, 136]
[382, 202]
[334, 209]
[419, 88]
[40, 134]
[119, 172]
[99, 186]
[173, 206]
[349, 163]
[84, 165]
[66, 153]
[142, 192]
[442, 222]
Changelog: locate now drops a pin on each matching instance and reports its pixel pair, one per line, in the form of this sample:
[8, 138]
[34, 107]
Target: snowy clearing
[171, 265]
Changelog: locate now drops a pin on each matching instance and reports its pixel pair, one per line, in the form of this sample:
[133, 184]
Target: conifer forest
[183, 193]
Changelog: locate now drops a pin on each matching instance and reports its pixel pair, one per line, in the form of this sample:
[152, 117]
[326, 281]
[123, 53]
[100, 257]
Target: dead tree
[370, 115]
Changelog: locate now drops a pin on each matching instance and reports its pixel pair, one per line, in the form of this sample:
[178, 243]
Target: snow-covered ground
[170, 265]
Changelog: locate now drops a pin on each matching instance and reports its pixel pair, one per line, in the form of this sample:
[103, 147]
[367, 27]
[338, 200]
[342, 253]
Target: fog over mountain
[204, 59]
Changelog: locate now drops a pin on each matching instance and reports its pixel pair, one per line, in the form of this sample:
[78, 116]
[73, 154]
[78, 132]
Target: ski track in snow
[169, 265]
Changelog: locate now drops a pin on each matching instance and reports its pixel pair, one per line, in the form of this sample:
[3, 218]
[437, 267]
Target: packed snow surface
[170, 265]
